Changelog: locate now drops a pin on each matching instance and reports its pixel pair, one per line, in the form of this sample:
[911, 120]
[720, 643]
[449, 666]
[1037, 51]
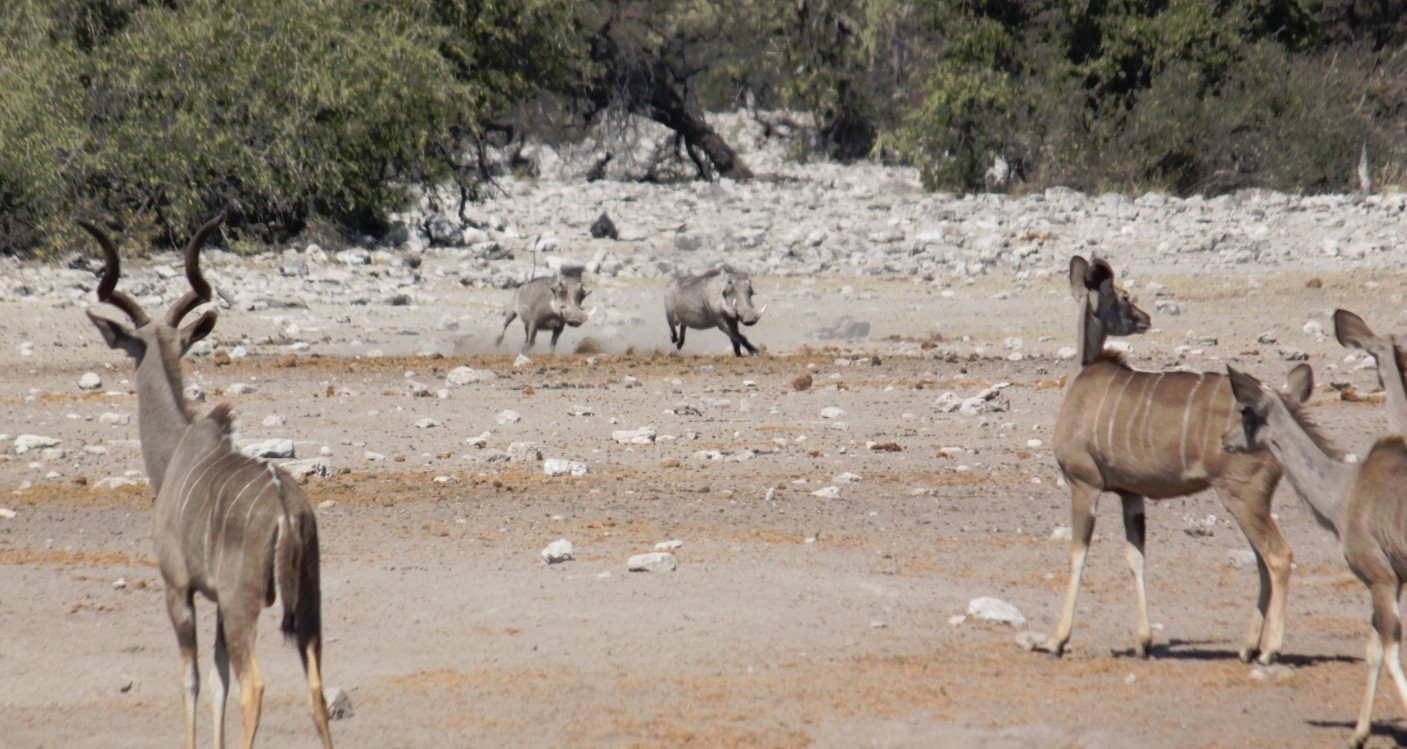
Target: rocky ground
[831, 538]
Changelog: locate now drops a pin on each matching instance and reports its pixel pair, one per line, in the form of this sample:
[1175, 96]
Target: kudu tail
[299, 581]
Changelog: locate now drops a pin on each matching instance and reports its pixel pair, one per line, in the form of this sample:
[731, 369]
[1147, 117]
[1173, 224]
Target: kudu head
[1353, 332]
[1260, 403]
[1106, 309]
[143, 334]
[567, 294]
[736, 297]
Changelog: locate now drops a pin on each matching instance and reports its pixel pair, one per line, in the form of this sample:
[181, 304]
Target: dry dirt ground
[798, 621]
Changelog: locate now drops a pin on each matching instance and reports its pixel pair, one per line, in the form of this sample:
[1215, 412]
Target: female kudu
[1361, 503]
[1156, 435]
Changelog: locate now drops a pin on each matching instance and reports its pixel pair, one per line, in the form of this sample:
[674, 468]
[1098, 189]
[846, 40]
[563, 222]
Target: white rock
[116, 482]
[242, 388]
[655, 561]
[1061, 533]
[832, 412]
[1066, 352]
[670, 545]
[275, 420]
[479, 441]
[1314, 328]
[562, 467]
[339, 705]
[1032, 640]
[522, 361]
[948, 402]
[829, 492]
[26, 442]
[6, 513]
[90, 381]
[1277, 672]
[427, 423]
[846, 478]
[508, 416]
[320, 467]
[115, 419]
[524, 451]
[641, 436]
[560, 550]
[995, 610]
[464, 376]
[1240, 558]
[272, 448]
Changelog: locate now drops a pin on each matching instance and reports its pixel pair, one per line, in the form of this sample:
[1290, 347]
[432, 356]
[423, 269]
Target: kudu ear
[1300, 382]
[197, 329]
[117, 335]
[1245, 388]
[1078, 267]
[1098, 274]
[1351, 331]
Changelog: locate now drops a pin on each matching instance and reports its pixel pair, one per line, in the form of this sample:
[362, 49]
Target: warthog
[548, 303]
[720, 298]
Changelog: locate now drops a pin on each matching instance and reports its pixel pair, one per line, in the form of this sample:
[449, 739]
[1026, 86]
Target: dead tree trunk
[651, 84]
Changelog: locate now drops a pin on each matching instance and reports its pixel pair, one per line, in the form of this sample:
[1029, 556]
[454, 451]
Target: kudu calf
[1363, 504]
[231, 527]
[1156, 435]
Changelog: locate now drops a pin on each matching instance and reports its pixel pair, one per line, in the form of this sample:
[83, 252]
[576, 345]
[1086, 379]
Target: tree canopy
[152, 114]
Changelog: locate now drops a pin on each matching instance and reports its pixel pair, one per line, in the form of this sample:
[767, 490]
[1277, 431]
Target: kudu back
[231, 527]
[1156, 435]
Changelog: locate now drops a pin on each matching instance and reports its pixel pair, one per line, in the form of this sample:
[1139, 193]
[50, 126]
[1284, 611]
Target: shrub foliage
[152, 114]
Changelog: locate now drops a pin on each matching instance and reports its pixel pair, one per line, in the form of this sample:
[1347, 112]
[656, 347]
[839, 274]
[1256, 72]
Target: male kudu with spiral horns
[231, 527]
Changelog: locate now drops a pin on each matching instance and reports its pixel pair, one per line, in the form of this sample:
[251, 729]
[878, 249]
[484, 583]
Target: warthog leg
[507, 320]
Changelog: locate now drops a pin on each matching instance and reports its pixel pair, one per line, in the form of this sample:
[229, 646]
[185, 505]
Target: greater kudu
[1361, 503]
[234, 528]
[1392, 361]
[1156, 435]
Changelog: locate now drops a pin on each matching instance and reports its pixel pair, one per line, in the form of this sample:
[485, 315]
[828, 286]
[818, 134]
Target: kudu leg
[679, 344]
[1136, 531]
[219, 682]
[1394, 652]
[1266, 635]
[181, 608]
[1364, 726]
[316, 701]
[1083, 499]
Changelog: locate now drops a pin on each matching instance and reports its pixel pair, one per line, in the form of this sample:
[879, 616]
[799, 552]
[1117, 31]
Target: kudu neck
[1316, 472]
[1090, 334]
[162, 416]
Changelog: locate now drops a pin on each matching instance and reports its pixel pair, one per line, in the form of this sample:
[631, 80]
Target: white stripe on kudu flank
[1149, 441]
[1114, 412]
[1187, 416]
[1099, 410]
[225, 519]
[190, 476]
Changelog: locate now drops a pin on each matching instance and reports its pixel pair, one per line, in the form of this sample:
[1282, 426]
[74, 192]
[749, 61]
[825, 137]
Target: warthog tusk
[762, 312]
[590, 312]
